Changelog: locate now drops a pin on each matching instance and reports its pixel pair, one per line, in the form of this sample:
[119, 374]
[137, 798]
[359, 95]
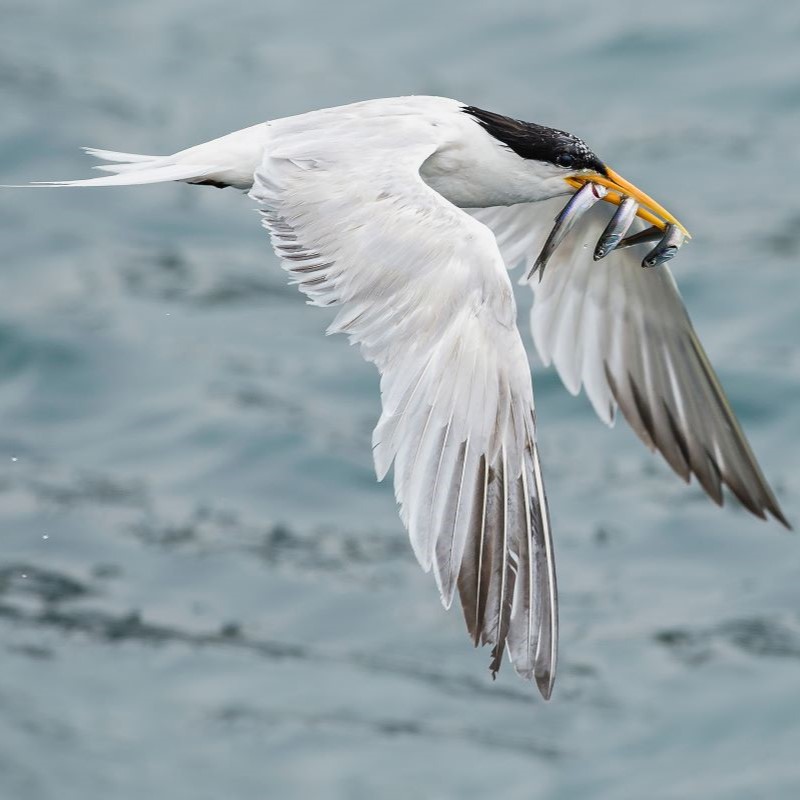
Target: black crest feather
[537, 142]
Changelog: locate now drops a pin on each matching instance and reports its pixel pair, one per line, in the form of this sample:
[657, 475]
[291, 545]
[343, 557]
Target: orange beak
[649, 210]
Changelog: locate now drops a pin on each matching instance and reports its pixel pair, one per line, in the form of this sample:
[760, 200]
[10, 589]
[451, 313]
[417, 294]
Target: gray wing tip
[543, 677]
[753, 493]
[776, 512]
[764, 508]
[758, 499]
[544, 682]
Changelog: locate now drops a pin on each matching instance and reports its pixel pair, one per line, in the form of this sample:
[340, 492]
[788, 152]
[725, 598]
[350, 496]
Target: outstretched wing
[423, 289]
[623, 333]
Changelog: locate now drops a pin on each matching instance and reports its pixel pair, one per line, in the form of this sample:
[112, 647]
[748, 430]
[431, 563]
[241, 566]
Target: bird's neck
[476, 172]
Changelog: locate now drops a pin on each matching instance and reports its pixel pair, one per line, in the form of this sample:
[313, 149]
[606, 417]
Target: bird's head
[560, 158]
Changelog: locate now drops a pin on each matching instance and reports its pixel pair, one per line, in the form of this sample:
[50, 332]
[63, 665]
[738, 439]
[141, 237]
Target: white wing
[623, 333]
[423, 289]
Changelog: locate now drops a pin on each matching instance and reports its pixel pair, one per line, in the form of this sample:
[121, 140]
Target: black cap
[538, 142]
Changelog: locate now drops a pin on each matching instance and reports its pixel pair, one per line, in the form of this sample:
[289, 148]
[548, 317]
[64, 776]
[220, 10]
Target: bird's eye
[565, 160]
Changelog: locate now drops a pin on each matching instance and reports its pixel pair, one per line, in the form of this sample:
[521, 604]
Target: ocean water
[203, 591]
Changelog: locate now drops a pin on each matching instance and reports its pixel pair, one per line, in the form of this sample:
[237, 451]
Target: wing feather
[622, 333]
[422, 288]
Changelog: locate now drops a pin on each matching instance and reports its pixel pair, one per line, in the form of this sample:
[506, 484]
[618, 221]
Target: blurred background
[203, 591]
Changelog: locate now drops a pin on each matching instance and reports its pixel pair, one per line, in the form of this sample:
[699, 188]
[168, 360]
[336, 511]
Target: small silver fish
[578, 204]
[651, 234]
[666, 249]
[617, 228]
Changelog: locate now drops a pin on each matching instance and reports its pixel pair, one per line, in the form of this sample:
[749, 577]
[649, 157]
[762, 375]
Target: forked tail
[228, 161]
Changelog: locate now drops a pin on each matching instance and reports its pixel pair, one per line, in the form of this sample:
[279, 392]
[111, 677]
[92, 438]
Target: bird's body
[464, 165]
[406, 214]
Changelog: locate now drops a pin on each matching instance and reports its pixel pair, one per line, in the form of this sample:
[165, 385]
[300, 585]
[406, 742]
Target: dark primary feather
[457, 406]
[622, 333]
[507, 580]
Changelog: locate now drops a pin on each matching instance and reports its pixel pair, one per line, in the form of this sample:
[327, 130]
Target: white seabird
[406, 214]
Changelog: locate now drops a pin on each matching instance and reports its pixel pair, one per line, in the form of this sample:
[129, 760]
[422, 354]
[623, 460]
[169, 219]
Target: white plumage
[406, 214]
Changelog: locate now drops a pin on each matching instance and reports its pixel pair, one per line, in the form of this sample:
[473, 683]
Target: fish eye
[565, 160]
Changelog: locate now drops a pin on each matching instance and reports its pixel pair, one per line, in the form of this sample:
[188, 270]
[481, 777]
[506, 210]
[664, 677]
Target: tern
[406, 214]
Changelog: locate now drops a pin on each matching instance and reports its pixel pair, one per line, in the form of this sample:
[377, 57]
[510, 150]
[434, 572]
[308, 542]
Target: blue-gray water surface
[204, 593]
